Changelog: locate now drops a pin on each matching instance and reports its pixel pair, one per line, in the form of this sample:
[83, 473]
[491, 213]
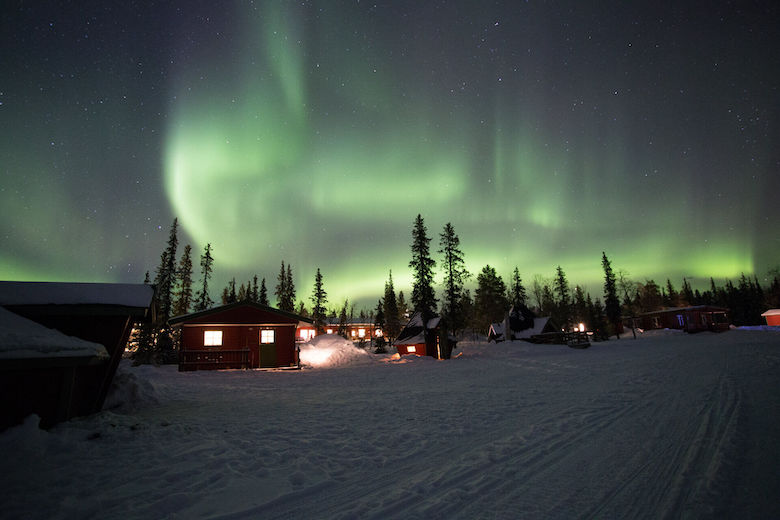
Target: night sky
[315, 132]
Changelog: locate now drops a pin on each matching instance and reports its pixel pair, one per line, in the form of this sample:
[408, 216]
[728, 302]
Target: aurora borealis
[314, 133]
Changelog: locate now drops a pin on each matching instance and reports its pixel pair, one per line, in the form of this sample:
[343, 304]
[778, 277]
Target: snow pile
[331, 350]
[130, 390]
[21, 338]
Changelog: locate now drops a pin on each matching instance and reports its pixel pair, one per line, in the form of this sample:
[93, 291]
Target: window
[267, 336]
[411, 349]
[212, 338]
[361, 333]
[353, 333]
[307, 334]
[330, 331]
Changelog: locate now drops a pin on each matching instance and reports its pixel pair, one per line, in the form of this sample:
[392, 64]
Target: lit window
[212, 338]
[411, 348]
[378, 332]
[307, 334]
[267, 336]
[330, 331]
[353, 333]
[361, 333]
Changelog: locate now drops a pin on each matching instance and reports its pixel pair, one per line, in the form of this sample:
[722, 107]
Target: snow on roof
[539, 324]
[21, 338]
[772, 312]
[414, 340]
[74, 293]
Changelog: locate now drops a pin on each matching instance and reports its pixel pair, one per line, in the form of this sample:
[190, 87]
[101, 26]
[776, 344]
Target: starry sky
[314, 132]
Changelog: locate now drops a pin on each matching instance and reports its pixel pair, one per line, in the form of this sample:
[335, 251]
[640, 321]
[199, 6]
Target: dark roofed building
[46, 382]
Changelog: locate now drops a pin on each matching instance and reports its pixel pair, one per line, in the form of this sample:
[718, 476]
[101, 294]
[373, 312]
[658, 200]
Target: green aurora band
[301, 151]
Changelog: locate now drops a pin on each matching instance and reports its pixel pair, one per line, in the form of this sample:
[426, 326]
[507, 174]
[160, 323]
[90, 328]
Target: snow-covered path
[665, 426]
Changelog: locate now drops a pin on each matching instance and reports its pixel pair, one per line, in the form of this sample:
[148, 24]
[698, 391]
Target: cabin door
[268, 348]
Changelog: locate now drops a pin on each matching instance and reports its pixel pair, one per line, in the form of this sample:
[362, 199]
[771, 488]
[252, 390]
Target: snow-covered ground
[668, 425]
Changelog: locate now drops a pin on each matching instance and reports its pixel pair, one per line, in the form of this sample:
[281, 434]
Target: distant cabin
[424, 341]
[498, 331]
[772, 317]
[692, 319]
[61, 343]
[355, 330]
[238, 335]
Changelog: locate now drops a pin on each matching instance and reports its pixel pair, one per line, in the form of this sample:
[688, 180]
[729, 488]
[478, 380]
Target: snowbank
[21, 338]
[331, 350]
[130, 390]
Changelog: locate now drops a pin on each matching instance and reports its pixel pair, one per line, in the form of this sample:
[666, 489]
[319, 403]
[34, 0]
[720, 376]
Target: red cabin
[772, 317]
[431, 340]
[238, 335]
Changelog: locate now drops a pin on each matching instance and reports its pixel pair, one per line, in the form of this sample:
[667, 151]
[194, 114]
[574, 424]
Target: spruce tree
[254, 294]
[144, 339]
[166, 276]
[184, 287]
[403, 310]
[343, 320]
[203, 301]
[281, 288]
[686, 294]
[392, 323]
[241, 296]
[517, 294]
[423, 294]
[379, 315]
[262, 297]
[318, 299]
[455, 275]
[563, 301]
[290, 288]
[490, 300]
[610, 296]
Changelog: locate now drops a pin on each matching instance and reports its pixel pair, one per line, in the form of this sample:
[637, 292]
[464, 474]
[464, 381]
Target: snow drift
[331, 350]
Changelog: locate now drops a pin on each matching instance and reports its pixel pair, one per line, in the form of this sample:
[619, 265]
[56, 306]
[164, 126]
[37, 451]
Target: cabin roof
[222, 308]
[75, 293]
[21, 338]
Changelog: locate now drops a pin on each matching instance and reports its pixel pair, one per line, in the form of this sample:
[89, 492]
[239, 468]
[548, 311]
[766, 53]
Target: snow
[21, 338]
[668, 425]
[73, 293]
[331, 350]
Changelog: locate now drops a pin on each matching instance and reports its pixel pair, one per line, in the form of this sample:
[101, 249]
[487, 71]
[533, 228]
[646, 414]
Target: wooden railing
[213, 359]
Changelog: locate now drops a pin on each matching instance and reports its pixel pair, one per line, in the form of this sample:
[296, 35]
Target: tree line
[567, 305]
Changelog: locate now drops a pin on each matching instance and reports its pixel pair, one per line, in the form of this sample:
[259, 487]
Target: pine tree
[242, 295]
[206, 266]
[403, 310]
[301, 310]
[423, 294]
[517, 294]
[610, 296]
[281, 288]
[490, 300]
[184, 288]
[318, 299]
[455, 275]
[379, 315]
[343, 319]
[562, 313]
[262, 297]
[672, 298]
[166, 276]
[290, 287]
[686, 294]
[392, 323]
[254, 294]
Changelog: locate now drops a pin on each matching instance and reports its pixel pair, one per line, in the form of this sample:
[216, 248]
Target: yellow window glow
[411, 348]
[267, 336]
[212, 338]
[361, 333]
